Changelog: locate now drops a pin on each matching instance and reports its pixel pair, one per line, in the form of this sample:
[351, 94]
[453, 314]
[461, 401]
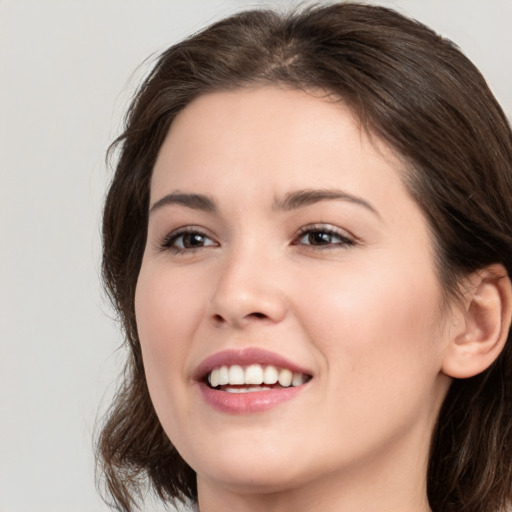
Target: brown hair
[420, 94]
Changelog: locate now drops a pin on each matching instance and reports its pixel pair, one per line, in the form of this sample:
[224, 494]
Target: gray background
[67, 70]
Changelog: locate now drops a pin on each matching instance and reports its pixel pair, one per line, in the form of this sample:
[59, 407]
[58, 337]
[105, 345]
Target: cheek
[168, 310]
[376, 333]
[168, 305]
[377, 321]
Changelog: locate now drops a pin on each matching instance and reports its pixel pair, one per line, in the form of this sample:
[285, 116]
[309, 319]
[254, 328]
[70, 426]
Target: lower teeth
[245, 389]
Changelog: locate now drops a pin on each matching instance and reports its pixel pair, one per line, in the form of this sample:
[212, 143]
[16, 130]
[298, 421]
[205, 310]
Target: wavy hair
[408, 86]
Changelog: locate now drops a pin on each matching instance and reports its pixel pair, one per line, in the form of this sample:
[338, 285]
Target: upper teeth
[254, 374]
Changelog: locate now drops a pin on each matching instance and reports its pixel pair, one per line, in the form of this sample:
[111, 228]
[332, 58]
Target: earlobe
[484, 324]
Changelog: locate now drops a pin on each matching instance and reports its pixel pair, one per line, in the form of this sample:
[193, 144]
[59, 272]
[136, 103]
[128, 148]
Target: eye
[187, 239]
[323, 236]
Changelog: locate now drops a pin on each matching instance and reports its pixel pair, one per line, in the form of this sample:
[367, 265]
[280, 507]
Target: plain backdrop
[67, 71]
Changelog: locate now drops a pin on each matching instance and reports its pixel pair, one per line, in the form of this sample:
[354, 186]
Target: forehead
[275, 139]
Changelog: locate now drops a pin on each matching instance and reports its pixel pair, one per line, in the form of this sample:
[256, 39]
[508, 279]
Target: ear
[482, 324]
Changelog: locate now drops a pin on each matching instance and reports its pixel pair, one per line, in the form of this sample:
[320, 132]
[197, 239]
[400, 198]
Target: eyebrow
[194, 201]
[306, 197]
[291, 201]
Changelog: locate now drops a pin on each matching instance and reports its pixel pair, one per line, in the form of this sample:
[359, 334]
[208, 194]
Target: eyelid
[165, 243]
[324, 226]
[346, 237]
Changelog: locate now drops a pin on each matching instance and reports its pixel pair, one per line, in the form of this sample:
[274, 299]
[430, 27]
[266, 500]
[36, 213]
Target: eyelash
[321, 229]
[170, 240]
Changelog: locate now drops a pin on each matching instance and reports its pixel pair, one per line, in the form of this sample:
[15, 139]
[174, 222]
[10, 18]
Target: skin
[365, 316]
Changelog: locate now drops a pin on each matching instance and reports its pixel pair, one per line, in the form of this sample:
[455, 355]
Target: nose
[248, 291]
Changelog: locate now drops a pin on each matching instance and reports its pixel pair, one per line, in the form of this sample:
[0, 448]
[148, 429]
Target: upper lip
[245, 357]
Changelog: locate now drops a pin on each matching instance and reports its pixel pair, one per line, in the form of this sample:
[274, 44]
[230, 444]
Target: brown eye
[323, 237]
[191, 240]
[318, 238]
[187, 240]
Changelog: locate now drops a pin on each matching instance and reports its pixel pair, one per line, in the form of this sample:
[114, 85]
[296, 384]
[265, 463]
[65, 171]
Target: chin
[251, 479]
[253, 471]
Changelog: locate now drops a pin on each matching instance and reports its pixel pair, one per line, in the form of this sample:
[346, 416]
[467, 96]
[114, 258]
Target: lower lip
[245, 403]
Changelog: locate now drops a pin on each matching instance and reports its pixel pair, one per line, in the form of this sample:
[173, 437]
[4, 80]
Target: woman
[308, 241]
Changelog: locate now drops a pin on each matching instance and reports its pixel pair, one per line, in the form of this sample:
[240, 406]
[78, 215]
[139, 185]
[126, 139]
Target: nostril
[219, 319]
[234, 320]
[257, 315]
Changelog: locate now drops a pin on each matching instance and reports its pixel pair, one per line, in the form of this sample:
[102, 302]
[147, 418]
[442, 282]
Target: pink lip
[244, 403]
[245, 357]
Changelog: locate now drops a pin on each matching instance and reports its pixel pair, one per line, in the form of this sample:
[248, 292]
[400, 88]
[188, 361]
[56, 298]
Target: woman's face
[283, 245]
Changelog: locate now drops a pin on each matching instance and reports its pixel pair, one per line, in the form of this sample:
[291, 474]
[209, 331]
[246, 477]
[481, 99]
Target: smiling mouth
[253, 378]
